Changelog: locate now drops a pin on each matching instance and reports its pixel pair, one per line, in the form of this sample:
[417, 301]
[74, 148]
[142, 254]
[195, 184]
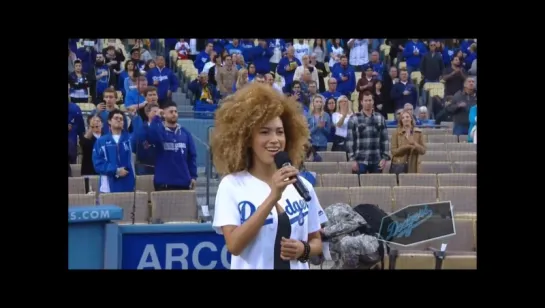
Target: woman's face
[96, 125]
[331, 105]
[251, 69]
[337, 41]
[318, 104]
[152, 64]
[268, 140]
[130, 66]
[319, 42]
[378, 85]
[343, 103]
[406, 119]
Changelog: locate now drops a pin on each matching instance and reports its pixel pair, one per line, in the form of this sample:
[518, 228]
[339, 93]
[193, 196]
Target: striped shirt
[367, 139]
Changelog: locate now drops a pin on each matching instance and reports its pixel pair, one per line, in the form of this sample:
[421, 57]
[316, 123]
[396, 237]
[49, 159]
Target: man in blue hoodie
[112, 157]
[164, 79]
[413, 52]
[286, 68]
[346, 77]
[176, 156]
[203, 57]
[261, 56]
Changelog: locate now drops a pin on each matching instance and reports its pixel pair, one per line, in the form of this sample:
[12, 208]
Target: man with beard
[101, 77]
[176, 156]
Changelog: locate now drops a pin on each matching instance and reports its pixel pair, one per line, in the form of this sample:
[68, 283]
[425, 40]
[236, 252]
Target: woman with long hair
[130, 72]
[251, 72]
[242, 80]
[320, 49]
[265, 222]
[319, 123]
[407, 145]
[340, 122]
[379, 99]
[149, 65]
[335, 52]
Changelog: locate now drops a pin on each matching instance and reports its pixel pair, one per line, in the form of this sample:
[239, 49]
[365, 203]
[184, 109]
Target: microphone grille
[281, 158]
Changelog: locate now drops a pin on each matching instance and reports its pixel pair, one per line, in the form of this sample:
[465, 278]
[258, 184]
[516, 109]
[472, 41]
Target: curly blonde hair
[248, 109]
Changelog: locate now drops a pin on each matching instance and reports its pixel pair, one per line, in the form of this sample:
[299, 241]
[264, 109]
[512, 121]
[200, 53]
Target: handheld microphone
[281, 159]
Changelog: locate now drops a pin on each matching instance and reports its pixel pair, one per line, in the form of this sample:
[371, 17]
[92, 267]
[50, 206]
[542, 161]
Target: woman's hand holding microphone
[281, 179]
[290, 249]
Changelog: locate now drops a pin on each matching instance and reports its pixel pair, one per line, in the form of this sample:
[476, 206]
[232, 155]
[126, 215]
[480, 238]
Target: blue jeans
[460, 130]
[371, 168]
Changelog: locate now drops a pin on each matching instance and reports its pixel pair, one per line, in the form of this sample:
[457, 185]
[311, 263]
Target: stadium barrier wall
[97, 243]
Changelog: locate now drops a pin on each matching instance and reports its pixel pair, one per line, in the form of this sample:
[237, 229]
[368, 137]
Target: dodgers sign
[191, 250]
[418, 223]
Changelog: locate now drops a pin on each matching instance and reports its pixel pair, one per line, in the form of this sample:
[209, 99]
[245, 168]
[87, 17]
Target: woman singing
[265, 222]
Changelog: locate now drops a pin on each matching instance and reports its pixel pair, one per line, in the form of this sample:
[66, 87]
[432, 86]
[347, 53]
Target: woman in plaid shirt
[367, 139]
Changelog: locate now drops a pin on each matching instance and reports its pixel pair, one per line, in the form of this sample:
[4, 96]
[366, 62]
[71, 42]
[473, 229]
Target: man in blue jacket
[404, 91]
[413, 53]
[164, 79]
[112, 156]
[176, 156]
[346, 77]
[203, 57]
[286, 68]
[261, 56]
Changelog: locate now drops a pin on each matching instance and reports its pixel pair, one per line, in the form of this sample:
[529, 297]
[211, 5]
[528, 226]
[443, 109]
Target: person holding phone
[112, 157]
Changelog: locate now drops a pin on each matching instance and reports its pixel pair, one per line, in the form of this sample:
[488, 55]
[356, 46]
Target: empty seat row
[330, 156]
[391, 199]
[166, 206]
[76, 185]
[411, 179]
[425, 167]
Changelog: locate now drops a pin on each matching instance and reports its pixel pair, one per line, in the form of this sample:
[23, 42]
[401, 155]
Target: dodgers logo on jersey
[247, 209]
[299, 209]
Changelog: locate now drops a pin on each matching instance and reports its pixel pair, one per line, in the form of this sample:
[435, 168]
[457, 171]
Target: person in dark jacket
[101, 77]
[379, 99]
[87, 144]
[76, 127]
[461, 103]
[432, 65]
[322, 72]
[389, 79]
[79, 84]
[404, 91]
[145, 152]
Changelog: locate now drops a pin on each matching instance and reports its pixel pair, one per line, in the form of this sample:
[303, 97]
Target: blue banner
[191, 250]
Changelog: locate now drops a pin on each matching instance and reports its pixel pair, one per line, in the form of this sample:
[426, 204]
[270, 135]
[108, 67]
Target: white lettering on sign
[196, 252]
[178, 252]
[90, 215]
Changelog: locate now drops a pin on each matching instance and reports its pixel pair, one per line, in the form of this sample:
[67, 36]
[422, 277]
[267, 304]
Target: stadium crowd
[375, 107]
